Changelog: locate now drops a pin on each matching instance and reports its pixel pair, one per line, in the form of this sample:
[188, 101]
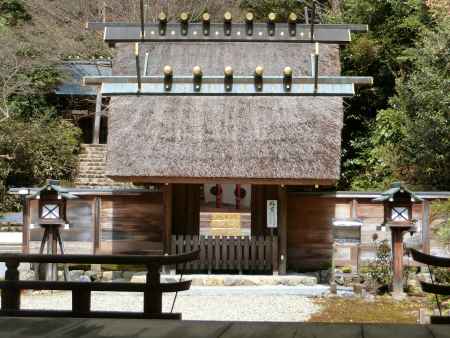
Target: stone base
[235, 280]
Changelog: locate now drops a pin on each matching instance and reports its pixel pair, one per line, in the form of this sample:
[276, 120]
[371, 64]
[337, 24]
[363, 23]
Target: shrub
[12, 12]
[380, 270]
[39, 148]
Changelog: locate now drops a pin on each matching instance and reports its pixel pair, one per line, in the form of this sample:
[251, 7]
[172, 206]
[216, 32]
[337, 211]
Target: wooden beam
[98, 117]
[238, 80]
[282, 230]
[96, 208]
[26, 215]
[167, 217]
[397, 261]
[426, 226]
[224, 180]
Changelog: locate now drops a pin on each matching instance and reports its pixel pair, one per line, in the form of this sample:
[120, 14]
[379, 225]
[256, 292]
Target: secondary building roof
[278, 140]
[74, 72]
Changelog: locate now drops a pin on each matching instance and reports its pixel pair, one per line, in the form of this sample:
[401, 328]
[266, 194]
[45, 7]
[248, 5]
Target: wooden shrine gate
[248, 254]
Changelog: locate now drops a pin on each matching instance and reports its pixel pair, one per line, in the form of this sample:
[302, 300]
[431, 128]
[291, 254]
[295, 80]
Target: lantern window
[50, 211]
[400, 214]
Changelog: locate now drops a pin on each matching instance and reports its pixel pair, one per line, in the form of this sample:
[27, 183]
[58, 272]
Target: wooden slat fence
[228, 253]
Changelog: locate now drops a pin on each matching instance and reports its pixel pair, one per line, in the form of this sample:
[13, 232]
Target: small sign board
[272, 214]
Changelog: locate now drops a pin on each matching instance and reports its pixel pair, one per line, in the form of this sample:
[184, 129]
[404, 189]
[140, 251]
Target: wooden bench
[81, 291]
[436, 289]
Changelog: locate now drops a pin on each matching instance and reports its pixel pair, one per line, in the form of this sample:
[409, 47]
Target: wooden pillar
[282, 230]
[167, 217]
[96, 208]
[26, 215]
[11, 295]
[98, 117]
[397, 260]
[153, 294]
[219, 196]
[426, 226]
[354, 210]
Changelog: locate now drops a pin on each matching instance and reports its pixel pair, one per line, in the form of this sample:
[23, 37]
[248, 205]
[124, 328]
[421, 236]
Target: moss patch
[379, 310]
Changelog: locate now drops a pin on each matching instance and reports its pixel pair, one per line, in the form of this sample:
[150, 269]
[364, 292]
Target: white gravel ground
[208, 303]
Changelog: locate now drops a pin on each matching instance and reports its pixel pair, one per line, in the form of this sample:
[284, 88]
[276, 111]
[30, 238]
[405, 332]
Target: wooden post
[426, 226]
[167, 218]
[282, 230]
[26, 214]
[238, 196]
[354, 210]
[219, 196]
[275, 255]
[397, 261]
[153, 294]
[11, 295]
[81, 301]
[98, 117]
[96, 208]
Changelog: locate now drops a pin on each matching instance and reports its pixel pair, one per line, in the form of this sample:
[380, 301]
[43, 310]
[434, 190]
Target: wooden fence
[153, 289]
[217, 253]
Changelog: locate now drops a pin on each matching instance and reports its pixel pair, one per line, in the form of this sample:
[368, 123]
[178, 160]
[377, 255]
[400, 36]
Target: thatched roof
[284, 140]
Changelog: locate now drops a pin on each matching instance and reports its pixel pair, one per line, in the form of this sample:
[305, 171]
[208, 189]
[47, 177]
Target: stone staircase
[91, 168]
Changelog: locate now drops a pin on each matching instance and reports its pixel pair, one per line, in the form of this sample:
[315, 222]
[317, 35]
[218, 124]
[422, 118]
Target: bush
[12, 12]
[379, 272]
[40, 148]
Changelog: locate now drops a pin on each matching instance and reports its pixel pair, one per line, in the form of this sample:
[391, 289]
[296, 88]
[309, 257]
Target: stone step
[90, 158]
[91, 176]
[84, 167]
[94, 162]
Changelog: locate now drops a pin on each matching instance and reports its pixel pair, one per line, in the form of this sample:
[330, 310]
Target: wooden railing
[81, 291]
[217, 253]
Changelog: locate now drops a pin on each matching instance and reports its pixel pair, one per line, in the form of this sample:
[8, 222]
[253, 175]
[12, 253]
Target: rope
[435, 295]
[176, 293]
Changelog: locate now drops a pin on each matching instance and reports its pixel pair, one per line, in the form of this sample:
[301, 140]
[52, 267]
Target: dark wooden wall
[131, 223]
[309, 232]
[260, 195]
[185, 209]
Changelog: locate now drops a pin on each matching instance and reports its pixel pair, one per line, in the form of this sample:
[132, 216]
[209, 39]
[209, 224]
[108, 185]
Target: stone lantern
[398, 202]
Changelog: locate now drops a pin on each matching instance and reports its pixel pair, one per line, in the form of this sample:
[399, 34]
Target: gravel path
[209, 303]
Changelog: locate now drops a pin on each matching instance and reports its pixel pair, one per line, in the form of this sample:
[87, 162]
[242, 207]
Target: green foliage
[380, 270]
[441, 219]
[41, 147]
[385, 53]
[12, 12]
[411, 137]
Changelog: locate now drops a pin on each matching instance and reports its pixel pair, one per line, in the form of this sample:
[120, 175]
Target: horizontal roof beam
[288, 33]
[216, 89]
[219, 80]
[100, 25]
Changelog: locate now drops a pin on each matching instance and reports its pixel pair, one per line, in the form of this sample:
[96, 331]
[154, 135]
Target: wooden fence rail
[217, 253]
[81, 291]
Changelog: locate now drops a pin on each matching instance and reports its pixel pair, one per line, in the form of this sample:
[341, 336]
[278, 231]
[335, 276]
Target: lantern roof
[396, 188]
[53, 186]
